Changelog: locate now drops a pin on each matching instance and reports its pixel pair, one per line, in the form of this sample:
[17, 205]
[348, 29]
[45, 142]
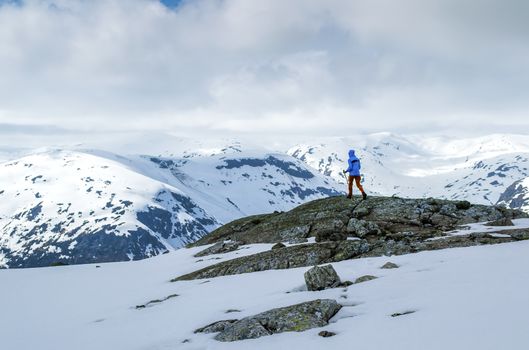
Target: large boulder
[294, 318]
[321, 277]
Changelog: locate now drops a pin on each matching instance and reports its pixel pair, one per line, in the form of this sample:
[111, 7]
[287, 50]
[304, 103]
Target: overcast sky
[313, 67]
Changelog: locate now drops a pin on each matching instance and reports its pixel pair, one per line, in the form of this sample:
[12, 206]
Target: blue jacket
[354, 164]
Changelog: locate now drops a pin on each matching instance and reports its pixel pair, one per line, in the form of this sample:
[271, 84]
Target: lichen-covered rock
[296, 232]
[215, 327]
[326, 334]
[500, 222]
[289, 257]
[321, 277]
[329, 219]
[297, 240]
[330, 236]
[389, 265]
[278, 246]
[294, 318]
[362, 228]
[218, 248]
[365, 278]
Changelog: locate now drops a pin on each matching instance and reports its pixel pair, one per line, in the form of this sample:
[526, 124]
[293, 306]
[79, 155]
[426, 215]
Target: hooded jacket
[354, 164]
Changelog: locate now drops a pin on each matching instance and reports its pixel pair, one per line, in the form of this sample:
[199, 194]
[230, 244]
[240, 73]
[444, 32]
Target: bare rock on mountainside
[284, 258]
[278, 246]
[321, 277]
[215, 327]
[388, 226]
[218, 248]
[365, 278]
[337, 218]
[389, 265]
[501, 222]
[294, 318]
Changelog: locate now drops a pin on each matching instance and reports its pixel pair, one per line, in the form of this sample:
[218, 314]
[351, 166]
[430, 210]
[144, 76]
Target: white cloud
[306, 66]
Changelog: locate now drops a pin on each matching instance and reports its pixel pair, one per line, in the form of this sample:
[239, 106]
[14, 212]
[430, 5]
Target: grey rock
[218, 248]
[500, 222]
[365, 278]
[321, 277]
[278, 246]
[326, 334]
[389, 265]
[298, 240]
[294, 318]
[289, 257]
[330, 236]
[518, 234]
[329, 219]
[215, 327]
[295, 232]
[362, 228]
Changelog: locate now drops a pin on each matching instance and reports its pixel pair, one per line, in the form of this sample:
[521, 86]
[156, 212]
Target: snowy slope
[478, 169]
[93, 206]
[463, 298]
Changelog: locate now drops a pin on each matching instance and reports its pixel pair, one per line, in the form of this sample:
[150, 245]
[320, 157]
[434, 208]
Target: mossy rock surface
[294, 318]
[340, 217]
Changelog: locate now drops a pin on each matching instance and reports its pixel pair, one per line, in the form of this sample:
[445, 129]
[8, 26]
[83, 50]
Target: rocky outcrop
[215, 327]
[346, 229]
[321, 277]
[365, 278]
[219, 248]
[500, 222]
[278, 246]
[284, 258]
[389, 265]
[337, 218]
[294, 318]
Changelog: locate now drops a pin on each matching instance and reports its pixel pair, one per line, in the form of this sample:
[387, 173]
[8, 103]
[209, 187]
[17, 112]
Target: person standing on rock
[354, 174]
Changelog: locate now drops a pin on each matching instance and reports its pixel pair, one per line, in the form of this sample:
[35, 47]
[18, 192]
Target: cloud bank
[299, 66]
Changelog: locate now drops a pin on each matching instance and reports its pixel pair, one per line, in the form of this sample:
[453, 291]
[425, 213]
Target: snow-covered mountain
[92, 206]
[478, 169]
[516, 196]
[77, 204]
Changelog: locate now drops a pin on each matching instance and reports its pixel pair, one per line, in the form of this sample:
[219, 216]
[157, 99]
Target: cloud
[304, 66]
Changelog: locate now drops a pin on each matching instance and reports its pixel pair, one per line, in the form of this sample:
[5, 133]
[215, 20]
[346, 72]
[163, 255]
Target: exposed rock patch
[365, 278]
[321, 277]
[284, 258]
[278, 246]
[155, 301]
[335, 218]
[389, 265]
[218, 248]
[500, 222]
[294, 318]
[215, 327]
[326, 334]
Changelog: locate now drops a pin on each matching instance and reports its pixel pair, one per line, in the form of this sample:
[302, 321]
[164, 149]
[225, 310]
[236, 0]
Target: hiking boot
[349, 196]
[364, 195]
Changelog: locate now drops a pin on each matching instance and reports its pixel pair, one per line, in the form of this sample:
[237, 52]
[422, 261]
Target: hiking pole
[346, 181]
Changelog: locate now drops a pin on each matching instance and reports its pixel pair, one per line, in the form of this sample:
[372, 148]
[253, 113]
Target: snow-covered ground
[464, 298]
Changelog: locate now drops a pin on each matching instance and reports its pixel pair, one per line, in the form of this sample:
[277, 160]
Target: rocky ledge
[347, 229]
[339, 217]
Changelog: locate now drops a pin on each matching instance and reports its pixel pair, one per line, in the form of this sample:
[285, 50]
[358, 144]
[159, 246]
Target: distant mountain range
[77, 205]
